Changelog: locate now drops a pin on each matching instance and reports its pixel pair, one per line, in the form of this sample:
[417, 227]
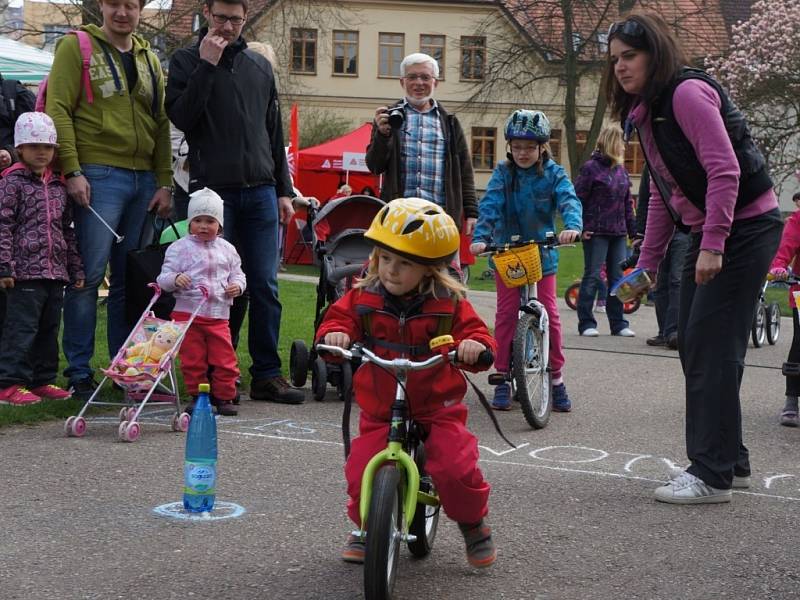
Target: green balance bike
[399, 502]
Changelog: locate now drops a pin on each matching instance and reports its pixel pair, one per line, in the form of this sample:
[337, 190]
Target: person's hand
[212, 46]
[79, 283]
[233, 290]
[183, 281]
[161, 202]
[382, 120]
[779, 273]
[707, 266]
[477, 248]
[337, 338]
[79, 190]
[469, 351]
[469, 225]
[587, 235]
[5, 159]
[6, 283]
[636, 242]
[568, 236]
[285, 209]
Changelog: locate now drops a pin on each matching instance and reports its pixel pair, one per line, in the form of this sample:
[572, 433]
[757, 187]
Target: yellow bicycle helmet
[415, 228]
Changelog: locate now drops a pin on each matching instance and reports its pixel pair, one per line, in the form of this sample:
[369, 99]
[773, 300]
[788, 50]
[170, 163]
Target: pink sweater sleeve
[697, 111]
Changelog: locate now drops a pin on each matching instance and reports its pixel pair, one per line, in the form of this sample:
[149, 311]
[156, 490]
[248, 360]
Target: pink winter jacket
[214, 265]
[789, 250]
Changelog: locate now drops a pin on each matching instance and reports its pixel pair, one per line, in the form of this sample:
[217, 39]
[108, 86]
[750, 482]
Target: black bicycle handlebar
[485, 359]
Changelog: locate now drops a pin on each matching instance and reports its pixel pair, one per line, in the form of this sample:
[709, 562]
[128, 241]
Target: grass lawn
[298, 299]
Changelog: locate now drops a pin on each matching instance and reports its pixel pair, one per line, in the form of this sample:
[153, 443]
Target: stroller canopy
[352, 212]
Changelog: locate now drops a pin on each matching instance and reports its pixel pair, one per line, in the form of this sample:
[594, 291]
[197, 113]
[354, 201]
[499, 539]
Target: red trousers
[208, 344]
[451, 460]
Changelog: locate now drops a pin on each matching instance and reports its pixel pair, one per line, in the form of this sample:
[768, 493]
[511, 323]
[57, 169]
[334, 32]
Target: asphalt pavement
[571, 507]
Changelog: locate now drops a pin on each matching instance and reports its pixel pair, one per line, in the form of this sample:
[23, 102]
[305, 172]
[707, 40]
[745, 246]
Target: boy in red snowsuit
[404, 297]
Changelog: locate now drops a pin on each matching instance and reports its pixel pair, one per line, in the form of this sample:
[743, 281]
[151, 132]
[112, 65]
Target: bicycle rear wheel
[529, 370]
[384, 533]
[571, 295]
[773, 323]
[426, 517]
[758, 333]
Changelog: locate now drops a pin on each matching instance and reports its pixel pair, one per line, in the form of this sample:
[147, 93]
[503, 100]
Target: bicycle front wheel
[758, 330]
[384, 533]
[529, 370]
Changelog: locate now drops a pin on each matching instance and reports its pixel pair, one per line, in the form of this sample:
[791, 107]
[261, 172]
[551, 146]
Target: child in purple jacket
[38, 256]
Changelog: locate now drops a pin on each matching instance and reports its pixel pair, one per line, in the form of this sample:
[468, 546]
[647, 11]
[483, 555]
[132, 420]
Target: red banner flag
[294, 145]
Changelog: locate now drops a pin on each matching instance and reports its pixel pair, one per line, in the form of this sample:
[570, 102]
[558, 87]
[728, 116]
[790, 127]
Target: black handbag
[142, 267]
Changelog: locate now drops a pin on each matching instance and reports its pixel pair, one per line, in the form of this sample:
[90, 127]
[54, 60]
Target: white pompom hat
[35, 128]
[207, 203]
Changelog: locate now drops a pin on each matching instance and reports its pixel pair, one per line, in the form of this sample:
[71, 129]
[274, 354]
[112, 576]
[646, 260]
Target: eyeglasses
[628, 28]
[419, 77]
[222, 19]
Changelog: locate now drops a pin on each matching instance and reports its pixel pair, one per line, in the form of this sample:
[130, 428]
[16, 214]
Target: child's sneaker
[502, 397]
[225, 408]
[790, 418]
[51, 392]
[561, 401]
[16, 395]
[354, 549]
[600, 307]
[480, 547]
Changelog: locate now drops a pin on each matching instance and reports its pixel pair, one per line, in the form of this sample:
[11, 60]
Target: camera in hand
[397, 117]
[629, 262]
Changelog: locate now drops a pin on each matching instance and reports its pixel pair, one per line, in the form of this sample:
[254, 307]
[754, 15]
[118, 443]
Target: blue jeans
[251, 224]
[121, 197]
[597, 250]
[667, 294]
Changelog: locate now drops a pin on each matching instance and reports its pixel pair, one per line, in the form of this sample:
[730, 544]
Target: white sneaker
[739, 482]
[688, 489]
[600, 308]
[627, 332]
[590, 332]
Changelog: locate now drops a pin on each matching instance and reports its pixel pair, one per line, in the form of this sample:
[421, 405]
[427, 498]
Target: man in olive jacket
[430, 160]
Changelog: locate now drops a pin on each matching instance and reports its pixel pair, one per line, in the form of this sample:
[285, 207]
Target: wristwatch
[169, 188]
[73, 174]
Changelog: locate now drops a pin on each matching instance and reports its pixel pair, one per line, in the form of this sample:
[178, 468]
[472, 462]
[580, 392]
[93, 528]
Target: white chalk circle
[598, 454]
[222, 510]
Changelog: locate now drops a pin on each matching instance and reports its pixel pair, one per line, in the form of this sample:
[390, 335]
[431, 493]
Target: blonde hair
[609, 144]
[436, 276]
[265, 50]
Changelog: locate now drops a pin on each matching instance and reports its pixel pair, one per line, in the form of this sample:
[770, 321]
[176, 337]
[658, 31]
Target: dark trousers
[608, 249]
[666, 296]
[713, 329]
[793, 381]
[29, 347]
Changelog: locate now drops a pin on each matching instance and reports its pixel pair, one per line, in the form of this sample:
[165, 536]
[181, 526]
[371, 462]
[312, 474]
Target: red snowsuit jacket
[414, 323]
[789, 250]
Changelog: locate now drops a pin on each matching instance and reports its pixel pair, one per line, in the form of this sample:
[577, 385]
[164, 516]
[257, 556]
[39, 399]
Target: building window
[473, 58]
[634, 157]
[391, 49]
[52, 33]
[304, 51]
[345, 52]
[433, 45]
[484, 143]
[555, 145]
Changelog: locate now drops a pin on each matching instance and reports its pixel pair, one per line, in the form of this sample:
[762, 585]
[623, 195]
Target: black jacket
[15, 99]
[383, 156]
[679, 155]
[231, 118]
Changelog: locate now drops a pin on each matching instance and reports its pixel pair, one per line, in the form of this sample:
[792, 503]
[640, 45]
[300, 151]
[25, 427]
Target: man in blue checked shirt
[425, 154]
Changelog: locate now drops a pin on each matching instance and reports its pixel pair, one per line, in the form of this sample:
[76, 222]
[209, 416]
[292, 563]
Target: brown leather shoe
[275, 389]
[656, 340]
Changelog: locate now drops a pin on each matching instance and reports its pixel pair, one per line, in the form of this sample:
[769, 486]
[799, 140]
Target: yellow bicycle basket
[519, 266]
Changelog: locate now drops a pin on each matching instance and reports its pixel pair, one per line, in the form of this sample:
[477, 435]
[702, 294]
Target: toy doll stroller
[147, 376]
[341, 252]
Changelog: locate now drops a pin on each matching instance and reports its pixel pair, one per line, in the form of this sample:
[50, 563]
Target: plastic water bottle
[200, 465]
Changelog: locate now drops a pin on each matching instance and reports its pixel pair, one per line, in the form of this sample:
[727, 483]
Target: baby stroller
[341, 252]
[144, 369]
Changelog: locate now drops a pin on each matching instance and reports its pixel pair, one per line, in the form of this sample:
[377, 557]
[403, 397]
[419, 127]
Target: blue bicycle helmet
[528, 125]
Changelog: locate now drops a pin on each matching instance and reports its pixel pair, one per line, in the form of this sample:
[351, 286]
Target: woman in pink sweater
[708, 178]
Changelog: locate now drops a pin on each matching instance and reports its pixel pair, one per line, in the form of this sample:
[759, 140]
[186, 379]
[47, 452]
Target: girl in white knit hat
[204, 258]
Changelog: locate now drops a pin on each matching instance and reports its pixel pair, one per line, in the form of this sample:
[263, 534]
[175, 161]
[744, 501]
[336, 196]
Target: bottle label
[200, 477]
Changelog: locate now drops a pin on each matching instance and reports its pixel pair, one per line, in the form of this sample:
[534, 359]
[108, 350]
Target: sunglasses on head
[628, 28]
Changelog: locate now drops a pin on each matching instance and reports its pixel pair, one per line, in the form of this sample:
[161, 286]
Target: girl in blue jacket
[521, 200]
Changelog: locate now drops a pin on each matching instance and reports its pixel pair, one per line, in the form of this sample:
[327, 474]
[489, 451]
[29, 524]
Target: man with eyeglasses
[420, 148]
[223, 96]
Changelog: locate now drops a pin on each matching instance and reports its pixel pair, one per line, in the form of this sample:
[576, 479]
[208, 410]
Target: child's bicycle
[519, 265]
[571, 296]
[399, 501]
